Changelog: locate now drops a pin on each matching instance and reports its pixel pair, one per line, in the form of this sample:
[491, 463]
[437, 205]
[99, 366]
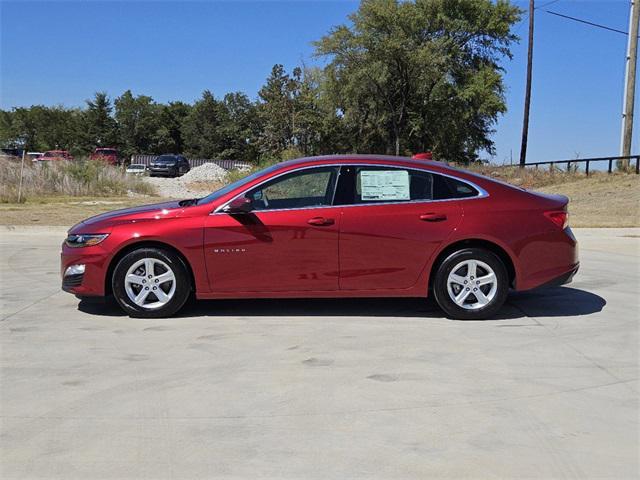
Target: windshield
[105, 152]
[136, 167]
[165, 159]
[238, 183]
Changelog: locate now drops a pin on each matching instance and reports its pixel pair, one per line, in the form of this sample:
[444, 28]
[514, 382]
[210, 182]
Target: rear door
[287, 243]
[391, 225]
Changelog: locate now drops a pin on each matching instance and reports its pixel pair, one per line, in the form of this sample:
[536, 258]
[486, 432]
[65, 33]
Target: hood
[104, 222]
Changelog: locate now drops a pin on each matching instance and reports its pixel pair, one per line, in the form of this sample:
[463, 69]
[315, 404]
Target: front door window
[302, 189]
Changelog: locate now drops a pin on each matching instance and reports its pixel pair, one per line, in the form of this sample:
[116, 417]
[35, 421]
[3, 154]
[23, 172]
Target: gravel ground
[190, 184]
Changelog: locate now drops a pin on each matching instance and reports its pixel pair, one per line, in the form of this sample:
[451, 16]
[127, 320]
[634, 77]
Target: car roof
[364, 159]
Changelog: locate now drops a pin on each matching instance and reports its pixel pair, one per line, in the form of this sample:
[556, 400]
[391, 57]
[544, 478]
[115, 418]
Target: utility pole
[527, 95]
[629, 83]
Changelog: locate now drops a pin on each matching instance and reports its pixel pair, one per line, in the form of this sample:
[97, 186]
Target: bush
[74, 178]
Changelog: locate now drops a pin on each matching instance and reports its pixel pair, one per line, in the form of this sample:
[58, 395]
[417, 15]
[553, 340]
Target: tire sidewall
[440, 284]
[183, 283]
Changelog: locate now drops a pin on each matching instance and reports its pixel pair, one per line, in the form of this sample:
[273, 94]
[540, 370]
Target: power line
[587, 22]
[526, 17]
[546, 4]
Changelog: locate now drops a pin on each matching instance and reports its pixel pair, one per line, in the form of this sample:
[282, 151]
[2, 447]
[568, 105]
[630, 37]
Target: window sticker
[384, 185]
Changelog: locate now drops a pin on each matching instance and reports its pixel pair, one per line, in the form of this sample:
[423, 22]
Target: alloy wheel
[472, 284]
[150, 283]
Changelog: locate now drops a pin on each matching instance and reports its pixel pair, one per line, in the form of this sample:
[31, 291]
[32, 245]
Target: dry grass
[530, 178]
[76, 178]
[602, 200]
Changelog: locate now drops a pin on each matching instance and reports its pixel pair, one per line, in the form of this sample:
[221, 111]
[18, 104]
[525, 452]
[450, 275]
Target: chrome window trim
[482, 193]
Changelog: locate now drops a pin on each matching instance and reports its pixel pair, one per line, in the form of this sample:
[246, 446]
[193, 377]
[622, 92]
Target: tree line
[400, 77]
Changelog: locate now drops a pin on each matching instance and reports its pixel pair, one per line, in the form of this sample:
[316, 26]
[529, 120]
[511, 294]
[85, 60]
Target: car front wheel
[471, 284]
[151, 283]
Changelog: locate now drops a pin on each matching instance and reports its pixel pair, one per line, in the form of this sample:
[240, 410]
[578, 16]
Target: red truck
[106, 154]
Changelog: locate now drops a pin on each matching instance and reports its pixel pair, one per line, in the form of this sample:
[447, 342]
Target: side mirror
[239, 205]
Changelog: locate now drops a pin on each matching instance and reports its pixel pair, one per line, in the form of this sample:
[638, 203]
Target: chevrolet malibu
[333, 226]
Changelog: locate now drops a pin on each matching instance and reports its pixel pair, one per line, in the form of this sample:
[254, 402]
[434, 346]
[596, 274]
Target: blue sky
[61, 52]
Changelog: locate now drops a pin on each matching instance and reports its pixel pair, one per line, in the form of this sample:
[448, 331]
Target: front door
[287, 243]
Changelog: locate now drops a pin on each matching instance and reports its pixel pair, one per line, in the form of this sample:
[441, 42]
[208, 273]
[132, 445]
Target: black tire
[449, 306]
[172, 261]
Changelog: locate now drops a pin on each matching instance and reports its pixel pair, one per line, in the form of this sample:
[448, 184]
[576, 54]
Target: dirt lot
[64, 211]
[179, 189]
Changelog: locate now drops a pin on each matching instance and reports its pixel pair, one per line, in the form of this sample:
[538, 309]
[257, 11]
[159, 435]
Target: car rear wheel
[151, 283]
[471, 284]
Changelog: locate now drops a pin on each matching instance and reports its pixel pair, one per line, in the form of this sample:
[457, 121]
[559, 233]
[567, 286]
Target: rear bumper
[549, 259]
[561, 279]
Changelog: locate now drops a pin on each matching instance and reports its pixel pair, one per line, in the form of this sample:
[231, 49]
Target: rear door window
[380, 184]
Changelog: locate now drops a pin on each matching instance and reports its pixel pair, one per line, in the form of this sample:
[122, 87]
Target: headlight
[85, 239]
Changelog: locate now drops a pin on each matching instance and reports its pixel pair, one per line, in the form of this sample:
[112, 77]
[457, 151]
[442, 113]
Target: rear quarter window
[449, 188]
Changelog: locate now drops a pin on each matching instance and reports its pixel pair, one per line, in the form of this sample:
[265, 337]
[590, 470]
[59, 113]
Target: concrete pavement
[371, 388]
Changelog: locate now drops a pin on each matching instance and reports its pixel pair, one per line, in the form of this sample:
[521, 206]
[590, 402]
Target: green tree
[168, 136]
[276, 112]
[421, 74]
[42, 128]
[138, 120]
[201, 129]
[294, 115]
[99, 127]
[241, 128]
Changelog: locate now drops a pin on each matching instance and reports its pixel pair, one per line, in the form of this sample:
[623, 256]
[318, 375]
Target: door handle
[433, 217]
[320, 221]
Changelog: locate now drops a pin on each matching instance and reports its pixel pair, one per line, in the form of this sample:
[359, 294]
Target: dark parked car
[169, 166]
[335, 226]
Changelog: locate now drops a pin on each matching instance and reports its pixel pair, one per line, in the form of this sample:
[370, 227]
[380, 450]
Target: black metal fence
[588, 162]
[195, 162]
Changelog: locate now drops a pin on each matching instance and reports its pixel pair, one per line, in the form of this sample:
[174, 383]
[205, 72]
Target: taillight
[559, 217]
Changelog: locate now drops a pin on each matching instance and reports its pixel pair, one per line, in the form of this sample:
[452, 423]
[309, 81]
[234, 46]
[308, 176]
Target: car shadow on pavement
[549, 302]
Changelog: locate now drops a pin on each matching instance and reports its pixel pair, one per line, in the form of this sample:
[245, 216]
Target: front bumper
[91, 283]
[161, 171]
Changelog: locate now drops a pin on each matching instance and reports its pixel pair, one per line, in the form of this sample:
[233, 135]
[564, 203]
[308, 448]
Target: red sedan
[55, 155]
[334, 226]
